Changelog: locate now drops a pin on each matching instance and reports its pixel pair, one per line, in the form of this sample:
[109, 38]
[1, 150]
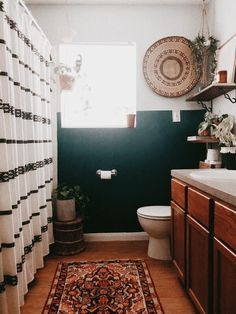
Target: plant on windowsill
[223, 131]
[70, 201]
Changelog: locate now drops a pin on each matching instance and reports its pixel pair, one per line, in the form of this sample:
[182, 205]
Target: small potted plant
[69, 200]
[211, 120]
[223, 131]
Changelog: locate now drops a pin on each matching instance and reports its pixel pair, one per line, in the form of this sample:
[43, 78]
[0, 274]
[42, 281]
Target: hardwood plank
[168, 287]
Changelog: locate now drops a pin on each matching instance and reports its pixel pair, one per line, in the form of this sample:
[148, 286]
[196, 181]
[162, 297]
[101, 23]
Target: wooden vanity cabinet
[199, 250]
[178, 232]
[224, 259]
[204, 248]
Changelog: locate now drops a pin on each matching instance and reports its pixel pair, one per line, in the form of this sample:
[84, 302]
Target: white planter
[66, 210]
[228, 149]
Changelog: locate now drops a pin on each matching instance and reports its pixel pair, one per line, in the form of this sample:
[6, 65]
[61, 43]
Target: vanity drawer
[179, 192]
[225, 224]
[199, 206]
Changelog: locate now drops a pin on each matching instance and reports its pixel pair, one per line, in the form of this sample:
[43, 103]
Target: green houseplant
[70, 201]
[227, 139]
[210, 123]
[204, 58]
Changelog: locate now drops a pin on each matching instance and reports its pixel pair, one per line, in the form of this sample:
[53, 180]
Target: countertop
[222, 189]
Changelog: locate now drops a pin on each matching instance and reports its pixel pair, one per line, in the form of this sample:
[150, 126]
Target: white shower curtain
[25, 153]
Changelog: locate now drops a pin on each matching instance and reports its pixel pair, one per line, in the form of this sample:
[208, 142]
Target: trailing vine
[204, 57]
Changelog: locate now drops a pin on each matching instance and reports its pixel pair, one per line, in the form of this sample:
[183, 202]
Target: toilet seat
[155, 212]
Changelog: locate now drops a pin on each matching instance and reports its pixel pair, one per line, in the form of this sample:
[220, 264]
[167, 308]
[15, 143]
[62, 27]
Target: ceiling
[115, 1]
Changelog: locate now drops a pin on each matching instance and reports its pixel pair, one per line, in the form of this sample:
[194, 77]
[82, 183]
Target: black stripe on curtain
[49, 220]
[8, 280]
[9, 212]
[2, 73]
[13, 25]
[25, 115]
[19, 266]
[6, 141]
[12, 280]
[12, 174]
[15, 56]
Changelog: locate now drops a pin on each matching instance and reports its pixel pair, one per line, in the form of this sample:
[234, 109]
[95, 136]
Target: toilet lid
[155, 212]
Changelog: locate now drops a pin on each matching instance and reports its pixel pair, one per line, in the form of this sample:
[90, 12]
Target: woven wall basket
[168, 67]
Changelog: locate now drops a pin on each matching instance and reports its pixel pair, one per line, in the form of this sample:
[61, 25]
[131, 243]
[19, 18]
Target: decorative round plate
[168, 67]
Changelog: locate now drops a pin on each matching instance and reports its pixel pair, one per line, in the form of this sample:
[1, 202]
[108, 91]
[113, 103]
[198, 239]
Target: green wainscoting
[143, 157]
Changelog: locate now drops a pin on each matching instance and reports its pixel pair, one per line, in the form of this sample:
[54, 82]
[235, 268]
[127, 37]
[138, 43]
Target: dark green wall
[143, 158]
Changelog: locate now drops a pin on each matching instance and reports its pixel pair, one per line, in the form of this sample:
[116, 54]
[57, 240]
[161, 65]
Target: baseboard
[116, 236]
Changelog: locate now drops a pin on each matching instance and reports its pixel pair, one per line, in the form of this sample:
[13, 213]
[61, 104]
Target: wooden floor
[171, 294]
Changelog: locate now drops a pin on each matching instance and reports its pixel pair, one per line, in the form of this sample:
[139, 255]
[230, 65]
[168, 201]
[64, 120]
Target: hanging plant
[204, 48]
[204, 58]
[67, 75]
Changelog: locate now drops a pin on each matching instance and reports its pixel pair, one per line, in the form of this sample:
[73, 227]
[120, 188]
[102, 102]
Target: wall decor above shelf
[212, 91]
[202, 139]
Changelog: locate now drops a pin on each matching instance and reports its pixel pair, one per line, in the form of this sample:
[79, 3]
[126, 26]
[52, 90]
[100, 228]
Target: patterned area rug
[103, 287]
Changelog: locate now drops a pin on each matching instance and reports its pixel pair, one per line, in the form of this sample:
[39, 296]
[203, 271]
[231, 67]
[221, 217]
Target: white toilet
[156, 221]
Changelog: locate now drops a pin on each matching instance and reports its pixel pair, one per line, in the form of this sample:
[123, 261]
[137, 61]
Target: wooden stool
[68, 237]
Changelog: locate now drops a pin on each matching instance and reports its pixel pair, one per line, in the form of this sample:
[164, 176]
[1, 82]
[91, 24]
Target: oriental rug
[103, 287]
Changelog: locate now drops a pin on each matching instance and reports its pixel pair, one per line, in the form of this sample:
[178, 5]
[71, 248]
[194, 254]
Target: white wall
[224, 28]
[143, 24]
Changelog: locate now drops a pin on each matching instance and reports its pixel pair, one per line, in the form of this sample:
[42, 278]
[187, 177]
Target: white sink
[214, 174]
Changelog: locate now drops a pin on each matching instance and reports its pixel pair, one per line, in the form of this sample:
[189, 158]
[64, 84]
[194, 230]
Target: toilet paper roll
[105, 175]
[213, 155]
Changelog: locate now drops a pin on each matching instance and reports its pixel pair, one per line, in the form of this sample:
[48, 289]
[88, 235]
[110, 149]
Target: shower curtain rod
[21, 2]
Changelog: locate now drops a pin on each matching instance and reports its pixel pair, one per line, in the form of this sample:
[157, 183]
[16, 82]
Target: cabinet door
[179, 192]
[178, 239]
[225, 224]
[199, 206]
[224, 279]
[198, 265]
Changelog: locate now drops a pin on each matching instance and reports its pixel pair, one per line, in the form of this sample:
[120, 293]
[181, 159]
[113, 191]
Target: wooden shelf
[202, 139]
[212, 91]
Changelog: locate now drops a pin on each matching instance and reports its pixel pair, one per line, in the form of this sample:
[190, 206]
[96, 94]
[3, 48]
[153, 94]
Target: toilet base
[159, 249]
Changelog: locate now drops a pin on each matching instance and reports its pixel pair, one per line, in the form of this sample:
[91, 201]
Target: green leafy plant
[211, 120]
[204, 57]
[63, 69]
[222, 131]
[66, 191]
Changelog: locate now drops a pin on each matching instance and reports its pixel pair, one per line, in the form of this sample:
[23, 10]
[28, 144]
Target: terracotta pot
[131, 120]
[66, 81]
[66, 210]
[206, 132]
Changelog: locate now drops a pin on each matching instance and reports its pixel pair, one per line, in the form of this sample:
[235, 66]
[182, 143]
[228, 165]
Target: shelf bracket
[204, 106]
[233, 100]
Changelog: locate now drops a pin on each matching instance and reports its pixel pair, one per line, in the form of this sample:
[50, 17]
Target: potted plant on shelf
[211, 120]
[227, 139]
[204, 58]
[69, 201]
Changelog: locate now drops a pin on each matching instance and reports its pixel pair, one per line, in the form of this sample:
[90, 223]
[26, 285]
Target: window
[104, 90]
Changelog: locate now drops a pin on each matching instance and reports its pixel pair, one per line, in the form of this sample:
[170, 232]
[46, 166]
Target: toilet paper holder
[113, 172]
